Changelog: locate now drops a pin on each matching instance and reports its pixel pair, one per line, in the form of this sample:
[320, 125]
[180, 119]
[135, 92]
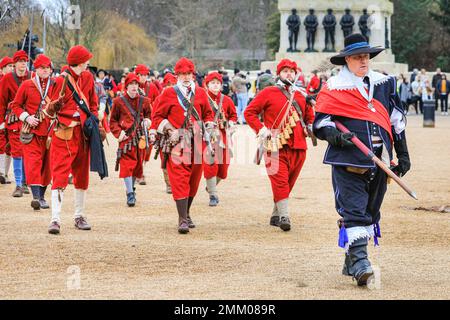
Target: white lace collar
[346, 80]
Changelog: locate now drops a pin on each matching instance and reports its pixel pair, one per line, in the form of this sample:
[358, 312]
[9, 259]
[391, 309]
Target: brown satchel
[63, 132]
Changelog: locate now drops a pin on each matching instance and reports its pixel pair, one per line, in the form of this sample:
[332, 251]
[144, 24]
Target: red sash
[350, 104]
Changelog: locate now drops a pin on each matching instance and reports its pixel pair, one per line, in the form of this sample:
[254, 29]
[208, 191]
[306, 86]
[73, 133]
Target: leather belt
[357, 170]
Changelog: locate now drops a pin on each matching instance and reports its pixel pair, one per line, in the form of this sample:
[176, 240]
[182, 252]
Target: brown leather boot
[182, 208]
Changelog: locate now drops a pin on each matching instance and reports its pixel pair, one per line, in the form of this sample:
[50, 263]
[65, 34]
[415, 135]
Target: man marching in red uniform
[285, 128]
[314, 85]
[9, 86]
[169, 81]
[225, 119]
[6, 66]
[28, 106]
[70, 151]
[129, 115]
[182, 112]
[147, 89]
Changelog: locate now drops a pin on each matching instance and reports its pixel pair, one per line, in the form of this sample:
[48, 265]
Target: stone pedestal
[380, 12]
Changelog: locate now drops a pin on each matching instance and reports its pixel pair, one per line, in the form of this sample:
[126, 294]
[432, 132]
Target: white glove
[32, 121]
[264, 133]
[146, 123]
[123, 136]
[232, 127]
[174, 137]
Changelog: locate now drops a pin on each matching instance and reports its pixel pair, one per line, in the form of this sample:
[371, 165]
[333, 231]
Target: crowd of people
[53, 124]
[419, 88]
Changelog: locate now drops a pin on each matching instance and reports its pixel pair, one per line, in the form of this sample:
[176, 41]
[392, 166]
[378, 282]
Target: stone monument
[379, 28]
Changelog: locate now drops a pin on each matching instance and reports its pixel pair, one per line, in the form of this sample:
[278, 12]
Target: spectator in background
[226, 83]
[199, 78]
[405, 93]
[121, 86]
[436, 78]
[265, 80]
[416, 89]
[427, 91]
[443, 89]
[414, 75]
[314, 85]
[240, 88]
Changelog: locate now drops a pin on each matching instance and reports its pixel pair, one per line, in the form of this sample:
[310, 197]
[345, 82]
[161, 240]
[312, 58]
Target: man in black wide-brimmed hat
[366, 102]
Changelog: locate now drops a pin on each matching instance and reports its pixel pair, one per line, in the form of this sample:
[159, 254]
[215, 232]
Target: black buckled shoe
[43, 204]
[285, 224]
[36, 205]
[190, 223]
[183, 227]
[275, 221]
[131, 199]
[213, 201]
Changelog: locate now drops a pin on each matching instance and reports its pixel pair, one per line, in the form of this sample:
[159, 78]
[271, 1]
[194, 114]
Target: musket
[157, 146]
[259, 153]
[147, 140]
[119, 156]
[207, 138]
[369, 153]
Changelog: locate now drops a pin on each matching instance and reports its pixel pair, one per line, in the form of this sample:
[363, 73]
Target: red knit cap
[5, 61]
[42, 61]
[286, 63]
[142, 69]
[78, 55]
[184, 65]
[213, 75]
[20, 55]
[131, 77]
[169, 79]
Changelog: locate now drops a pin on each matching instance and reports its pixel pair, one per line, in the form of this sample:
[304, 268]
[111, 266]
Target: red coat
[86, 84]
[121, 118]
[8, 91]
[314, 85]
[229, 110]
[169, 108]
[158, 85]
[271, 103]
[150, 89]
[28, 100]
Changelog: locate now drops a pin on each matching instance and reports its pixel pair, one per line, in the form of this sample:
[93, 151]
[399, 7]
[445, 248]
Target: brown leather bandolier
[135, 132]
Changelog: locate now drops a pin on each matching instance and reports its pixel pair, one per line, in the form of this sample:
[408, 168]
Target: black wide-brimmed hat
[355, 44]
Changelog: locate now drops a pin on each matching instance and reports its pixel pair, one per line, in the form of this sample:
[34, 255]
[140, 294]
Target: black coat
[438, 87]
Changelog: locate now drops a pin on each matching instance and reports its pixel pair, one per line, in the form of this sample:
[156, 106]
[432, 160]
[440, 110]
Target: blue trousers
[242, 99]
[359, 197]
